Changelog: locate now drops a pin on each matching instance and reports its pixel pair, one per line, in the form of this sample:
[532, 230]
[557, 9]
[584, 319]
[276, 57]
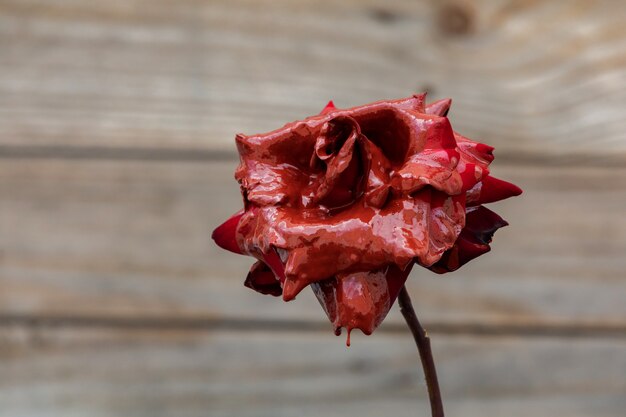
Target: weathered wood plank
[146, 82]
[112, 373]
[529, 77]
[123, 239]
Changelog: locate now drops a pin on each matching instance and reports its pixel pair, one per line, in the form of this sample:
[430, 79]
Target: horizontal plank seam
[209, 155]
[114, 153]
[553, 329]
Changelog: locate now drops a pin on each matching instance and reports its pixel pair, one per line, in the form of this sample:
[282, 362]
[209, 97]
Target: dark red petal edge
[225, 235]
[262, 279]
[267, 276]
[480, 225]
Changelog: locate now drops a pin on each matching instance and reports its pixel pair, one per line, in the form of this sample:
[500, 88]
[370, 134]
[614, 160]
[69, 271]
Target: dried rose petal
[348, 200]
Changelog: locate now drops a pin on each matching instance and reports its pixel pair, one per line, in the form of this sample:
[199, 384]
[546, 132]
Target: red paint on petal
[345, 189]
[360, 300]
[337, 149]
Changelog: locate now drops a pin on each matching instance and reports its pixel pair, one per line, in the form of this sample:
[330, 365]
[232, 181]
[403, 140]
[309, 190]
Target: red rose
[348, 200]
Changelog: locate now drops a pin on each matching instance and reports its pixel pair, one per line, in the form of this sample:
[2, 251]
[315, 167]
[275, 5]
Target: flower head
[349, 200]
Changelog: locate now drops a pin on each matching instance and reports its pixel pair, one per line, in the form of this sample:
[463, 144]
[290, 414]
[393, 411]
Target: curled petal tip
[329, 107]
[494, 189]
[293, 285]
[439, 107]
[225, 235]
[292, 288]
[485, 150]
[289, 292]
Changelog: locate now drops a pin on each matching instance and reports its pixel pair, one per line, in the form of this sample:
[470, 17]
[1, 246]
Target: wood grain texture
[165, 373]
[124, 238]
[533, 78]
[117, 121]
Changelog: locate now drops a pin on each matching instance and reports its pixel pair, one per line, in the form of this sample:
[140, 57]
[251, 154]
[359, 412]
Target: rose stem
[426, 355]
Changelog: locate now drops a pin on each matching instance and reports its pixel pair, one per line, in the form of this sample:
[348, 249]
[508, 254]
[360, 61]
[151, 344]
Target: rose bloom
[349, 200]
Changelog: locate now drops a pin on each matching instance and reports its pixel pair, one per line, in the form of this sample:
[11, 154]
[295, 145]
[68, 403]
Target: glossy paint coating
[349, 200]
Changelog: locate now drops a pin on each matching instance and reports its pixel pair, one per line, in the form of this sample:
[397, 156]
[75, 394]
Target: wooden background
[117, 121]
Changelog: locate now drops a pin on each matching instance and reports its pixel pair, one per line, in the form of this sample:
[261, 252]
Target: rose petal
[474, 152]
[377, 187]
[345, 188]
[276, 264]
[471, 174]
[480, 225]
[493, 189]
[225, 234]
[360, 300]
[262, 279]
[337, 149]
[357, 238]
[439, 107]
[463, 251]
[433, 167]
[329, 107]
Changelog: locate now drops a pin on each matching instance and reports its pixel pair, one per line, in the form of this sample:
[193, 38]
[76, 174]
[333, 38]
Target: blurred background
[117, 124]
